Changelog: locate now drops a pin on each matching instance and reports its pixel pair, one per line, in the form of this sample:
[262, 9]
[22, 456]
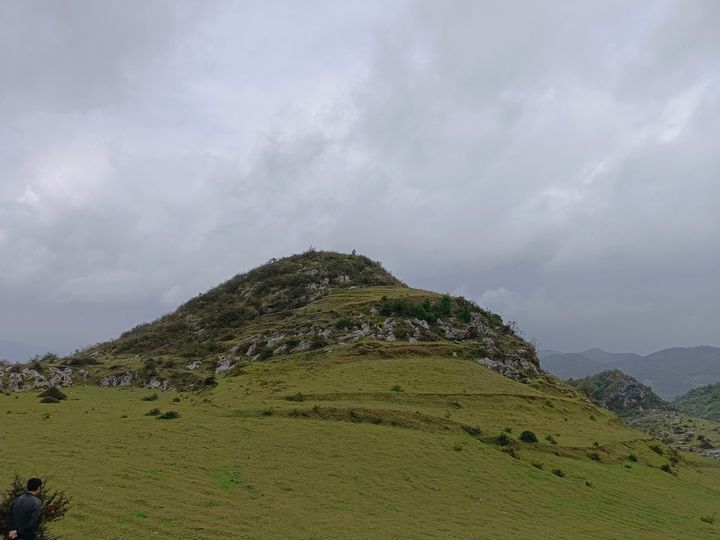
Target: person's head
[33, 485]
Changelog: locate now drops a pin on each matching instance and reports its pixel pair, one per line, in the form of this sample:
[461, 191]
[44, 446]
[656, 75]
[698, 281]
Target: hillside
[669, 372]
[703, 402]
[339, 408]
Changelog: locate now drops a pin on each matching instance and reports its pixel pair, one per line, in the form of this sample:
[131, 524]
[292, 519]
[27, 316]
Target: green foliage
[558, 472]
[425, 309]
[153, 412]
[708, 519]
[657, 449]
[55, 504]
[528, 437]
[169, 415]
[151, 397]
[503, 439]
[632, 457]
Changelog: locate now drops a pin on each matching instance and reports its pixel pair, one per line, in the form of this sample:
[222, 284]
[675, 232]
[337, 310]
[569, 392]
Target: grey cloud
[552, 161]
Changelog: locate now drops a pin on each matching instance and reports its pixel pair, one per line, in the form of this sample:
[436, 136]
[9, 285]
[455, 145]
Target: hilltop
[302, 304]
[317, 396]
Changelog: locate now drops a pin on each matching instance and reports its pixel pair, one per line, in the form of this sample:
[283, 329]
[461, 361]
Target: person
[23, 517]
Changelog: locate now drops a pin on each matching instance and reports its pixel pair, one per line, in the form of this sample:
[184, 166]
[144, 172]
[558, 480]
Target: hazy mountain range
[669, 372]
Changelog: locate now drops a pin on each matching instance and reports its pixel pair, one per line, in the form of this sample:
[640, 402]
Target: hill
[343, 408]
[620, 393]
[670, 372]
[703, 402]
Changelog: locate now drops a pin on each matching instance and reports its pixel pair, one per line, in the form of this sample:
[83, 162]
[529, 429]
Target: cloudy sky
[558, 162]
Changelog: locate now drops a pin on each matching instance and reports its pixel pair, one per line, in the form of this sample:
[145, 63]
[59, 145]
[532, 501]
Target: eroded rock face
[118, 381]
[515, 367]
[158, 384]
[224, 364]
[61, 377]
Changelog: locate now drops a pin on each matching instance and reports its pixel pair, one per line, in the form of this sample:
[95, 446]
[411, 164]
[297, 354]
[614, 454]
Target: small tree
[55, 505]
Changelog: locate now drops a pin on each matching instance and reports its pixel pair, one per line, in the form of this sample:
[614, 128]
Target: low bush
[151, 397]
[49, 399]
[153, 412]
[657, 449]
[53, 392]
[537, 465]
[558, 472]
[666, 468]
[594, 456]
[503, 439]
[528, 437]
[708, 519]
[169, 415]
[632, 457]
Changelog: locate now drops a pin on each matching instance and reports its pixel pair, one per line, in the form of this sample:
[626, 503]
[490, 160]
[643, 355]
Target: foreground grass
[368, 447]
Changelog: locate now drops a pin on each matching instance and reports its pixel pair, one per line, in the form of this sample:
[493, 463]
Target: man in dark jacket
[23, 516]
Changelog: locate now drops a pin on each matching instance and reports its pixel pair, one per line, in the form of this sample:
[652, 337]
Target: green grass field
[373, 448]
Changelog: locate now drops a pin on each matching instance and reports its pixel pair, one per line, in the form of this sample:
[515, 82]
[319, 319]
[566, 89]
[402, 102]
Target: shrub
[296, 397]
[176, 400]
[210, 381]
[53, 392]
[528, 437]
[151, 397]
[666, 467]
[537, 465]
[550, 439]
[55, 505]
[632, 457]
[594, 456]
[558, 472]
[396, 388]
[708, 519]
[511, 452]
[49, 399]
[503, 439]
[705, 443]
[657, 449]
[153, 412]
[457, 447]
[169, 415]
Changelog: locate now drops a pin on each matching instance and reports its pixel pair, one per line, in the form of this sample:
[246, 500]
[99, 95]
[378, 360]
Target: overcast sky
[557, 162]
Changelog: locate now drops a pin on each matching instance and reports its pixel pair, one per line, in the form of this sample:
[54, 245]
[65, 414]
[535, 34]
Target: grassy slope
[354, 458]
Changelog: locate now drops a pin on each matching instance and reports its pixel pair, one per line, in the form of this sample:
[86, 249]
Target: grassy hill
[363, 410]
[703, 402]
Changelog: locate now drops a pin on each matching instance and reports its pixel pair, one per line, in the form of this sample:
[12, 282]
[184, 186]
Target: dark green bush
[55, 504]
[153, 412]
[503, 439]
[528, 437]
[169, 415]
[558, 472]
[49, 399]
[151, 397]
[54, 393]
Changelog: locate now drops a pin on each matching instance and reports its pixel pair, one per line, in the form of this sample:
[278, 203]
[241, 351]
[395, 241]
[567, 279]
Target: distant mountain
[19, 352]
[608, 358]
[571, 365]
[670, 372]
[620, 393]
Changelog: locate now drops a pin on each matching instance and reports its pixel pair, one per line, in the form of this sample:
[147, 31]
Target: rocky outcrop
[123, 380]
